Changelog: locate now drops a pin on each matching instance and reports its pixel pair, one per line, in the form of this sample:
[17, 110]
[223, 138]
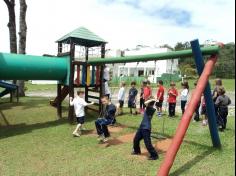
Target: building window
[140, 73]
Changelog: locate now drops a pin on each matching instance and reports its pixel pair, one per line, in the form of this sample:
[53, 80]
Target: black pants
[222, 116]
[172, 109]
[146, 136]
[101, 126]
[142, 105]
[183, 104]
[197, 115]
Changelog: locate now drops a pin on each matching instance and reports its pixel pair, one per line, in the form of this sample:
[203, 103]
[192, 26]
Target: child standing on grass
[160, 97]
[172, 96]
[147, 90]
[197, 114]
[79, 103]
[144, 131]
[204, 112]
[121, 98]
[222, 102]
[133, 92]
[141, 100]
[184, 95]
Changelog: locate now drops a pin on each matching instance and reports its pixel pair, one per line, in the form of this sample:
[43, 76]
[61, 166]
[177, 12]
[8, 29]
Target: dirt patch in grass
[112, 129]
[161, 145]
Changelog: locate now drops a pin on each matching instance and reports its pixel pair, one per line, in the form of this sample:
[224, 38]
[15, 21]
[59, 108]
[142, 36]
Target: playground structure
[89, 75]
[9, 89]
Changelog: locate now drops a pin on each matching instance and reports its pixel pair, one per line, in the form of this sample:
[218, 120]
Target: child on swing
[79, 103]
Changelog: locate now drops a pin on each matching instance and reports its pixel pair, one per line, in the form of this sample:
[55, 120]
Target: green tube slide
[27, 67]
[149, 57]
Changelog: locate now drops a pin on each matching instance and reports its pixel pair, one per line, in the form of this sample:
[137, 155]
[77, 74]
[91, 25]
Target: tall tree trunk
[22, 40]
[12, 25]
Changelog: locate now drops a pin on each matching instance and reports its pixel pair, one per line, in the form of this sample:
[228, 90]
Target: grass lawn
[34, 142]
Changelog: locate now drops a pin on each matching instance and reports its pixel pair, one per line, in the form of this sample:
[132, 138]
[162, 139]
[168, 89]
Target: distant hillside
[225, 67]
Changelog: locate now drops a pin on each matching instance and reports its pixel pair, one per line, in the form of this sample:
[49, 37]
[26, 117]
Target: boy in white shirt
[121, 98]
[184, 96]
[79, 103]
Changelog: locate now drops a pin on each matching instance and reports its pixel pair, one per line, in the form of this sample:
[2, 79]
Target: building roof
[83, 37]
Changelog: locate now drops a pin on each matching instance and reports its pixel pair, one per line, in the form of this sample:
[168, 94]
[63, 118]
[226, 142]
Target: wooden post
[17, 94]
[59, 108]
[101, 90]
[71, 81]
[59, 98]
[86, 64]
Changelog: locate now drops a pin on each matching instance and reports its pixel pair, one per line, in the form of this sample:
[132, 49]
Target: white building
[151, 69]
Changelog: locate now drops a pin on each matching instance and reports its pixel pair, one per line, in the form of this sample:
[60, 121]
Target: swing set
[90, 77]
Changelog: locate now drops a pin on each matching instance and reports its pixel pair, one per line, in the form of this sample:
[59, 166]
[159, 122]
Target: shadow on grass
[32, 103]
[192, 162]
[18, 129]
[2, 116]
[9, 130]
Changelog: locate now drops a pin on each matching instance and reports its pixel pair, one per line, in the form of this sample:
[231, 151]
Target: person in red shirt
[147, 90]
[160, 97]
[172, 96]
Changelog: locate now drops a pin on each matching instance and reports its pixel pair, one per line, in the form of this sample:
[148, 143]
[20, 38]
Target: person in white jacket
[184, 95]
[121, 98]
[79, 103]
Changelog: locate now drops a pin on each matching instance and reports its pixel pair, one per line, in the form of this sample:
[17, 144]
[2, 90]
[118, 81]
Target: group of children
[148, 106]
[146, 93]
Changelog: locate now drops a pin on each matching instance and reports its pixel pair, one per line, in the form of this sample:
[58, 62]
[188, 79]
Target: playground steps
[64, 93]
[8, 88]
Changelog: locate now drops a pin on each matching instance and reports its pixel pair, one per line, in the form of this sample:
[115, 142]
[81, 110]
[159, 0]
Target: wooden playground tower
[89, 78]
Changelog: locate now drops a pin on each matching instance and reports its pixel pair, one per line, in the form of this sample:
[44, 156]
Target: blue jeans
[101, 126]
[146, 136]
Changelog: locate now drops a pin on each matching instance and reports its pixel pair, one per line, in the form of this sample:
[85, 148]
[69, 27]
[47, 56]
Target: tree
[22, 40]
[22, 33]
[12, 25]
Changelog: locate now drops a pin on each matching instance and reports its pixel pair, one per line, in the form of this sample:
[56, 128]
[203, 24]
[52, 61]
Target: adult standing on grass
[107, 119]
[79, 103]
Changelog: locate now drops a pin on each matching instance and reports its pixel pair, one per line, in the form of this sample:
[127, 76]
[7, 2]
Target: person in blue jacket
[144, 131]
[107, 119]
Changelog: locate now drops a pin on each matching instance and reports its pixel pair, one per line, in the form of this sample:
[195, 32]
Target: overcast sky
[124, 23]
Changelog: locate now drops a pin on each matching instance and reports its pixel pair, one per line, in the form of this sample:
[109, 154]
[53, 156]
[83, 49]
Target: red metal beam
[186, 119]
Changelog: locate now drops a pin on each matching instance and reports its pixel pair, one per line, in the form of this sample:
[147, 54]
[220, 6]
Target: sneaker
[76, 134]
[100, 137]
[83, 129]
[135, 153]
[105, 140]
[221, 129]
[153, 158]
